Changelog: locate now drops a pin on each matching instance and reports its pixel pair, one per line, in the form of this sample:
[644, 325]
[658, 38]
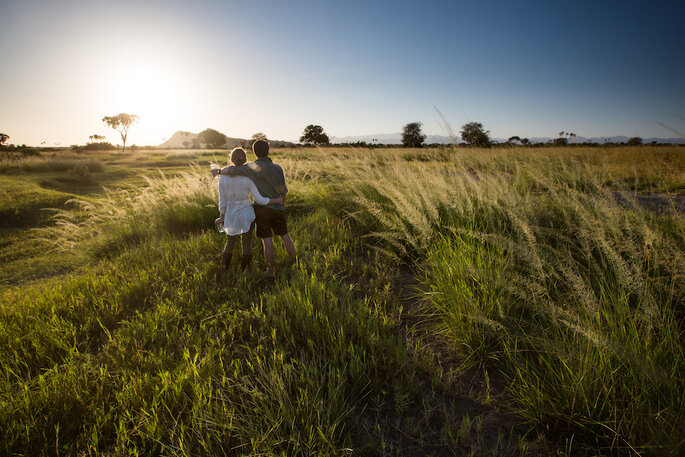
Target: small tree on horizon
[259, 136]
[564, 138]
[121, 123]
[474, 134]
[3, 138]
[96, 137]
[314, 135]
[634, 141]
[412, 137]
[212, 138]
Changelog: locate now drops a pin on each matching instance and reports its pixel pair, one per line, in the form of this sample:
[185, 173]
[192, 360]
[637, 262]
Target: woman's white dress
[235, 203]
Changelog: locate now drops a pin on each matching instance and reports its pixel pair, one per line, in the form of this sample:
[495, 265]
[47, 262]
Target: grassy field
[446, 302]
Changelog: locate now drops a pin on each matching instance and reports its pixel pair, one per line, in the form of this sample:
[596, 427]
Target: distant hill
[182, 140]
[610, 139]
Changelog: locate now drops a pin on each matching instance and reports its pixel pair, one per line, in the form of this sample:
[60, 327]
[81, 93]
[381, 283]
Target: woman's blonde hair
[238, 157]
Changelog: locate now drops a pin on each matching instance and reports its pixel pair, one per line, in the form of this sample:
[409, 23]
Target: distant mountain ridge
[182, 139]
[611, 139]
[396, 138]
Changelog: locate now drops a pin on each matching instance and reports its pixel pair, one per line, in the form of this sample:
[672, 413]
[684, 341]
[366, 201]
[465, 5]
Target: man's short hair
[238, 157]
[260, 148]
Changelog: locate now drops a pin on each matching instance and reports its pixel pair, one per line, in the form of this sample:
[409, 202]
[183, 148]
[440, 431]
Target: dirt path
[474, 408]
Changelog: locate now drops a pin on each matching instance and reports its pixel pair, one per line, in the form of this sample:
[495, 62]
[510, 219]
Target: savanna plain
[452, 301]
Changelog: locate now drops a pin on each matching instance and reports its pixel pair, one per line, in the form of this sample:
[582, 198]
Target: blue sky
[521, 68]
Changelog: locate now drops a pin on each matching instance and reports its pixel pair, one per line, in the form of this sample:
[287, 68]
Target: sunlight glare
[155, 96]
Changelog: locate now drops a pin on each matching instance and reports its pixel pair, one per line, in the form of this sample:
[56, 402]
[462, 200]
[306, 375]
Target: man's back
[268, 177]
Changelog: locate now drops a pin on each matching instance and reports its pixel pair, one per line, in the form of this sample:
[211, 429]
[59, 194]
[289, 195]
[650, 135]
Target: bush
[98, 147]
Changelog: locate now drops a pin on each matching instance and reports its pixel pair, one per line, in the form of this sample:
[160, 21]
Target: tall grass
[141, 359]
[25, 203]
[125, 217]
[45, 165]
[52, 164]
[526, 261]
[532, 266]
[150, 354]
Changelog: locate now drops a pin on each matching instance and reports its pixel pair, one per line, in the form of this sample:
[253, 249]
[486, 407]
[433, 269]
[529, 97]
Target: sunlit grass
[125, 217]
[527, 267]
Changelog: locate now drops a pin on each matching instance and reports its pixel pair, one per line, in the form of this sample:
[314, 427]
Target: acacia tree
[259, 136]
[3, 138]
[121, 123]
[474, 134]
[314, 135]
[412, 137]
[212, 138]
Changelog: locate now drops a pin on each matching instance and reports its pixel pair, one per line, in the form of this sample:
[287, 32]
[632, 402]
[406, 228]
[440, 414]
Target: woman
[237, 215]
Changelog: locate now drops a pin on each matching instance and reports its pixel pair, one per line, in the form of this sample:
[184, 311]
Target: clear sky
[527, 68]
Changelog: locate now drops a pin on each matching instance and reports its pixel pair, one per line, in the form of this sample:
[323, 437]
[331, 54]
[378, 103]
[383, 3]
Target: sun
[150, 93]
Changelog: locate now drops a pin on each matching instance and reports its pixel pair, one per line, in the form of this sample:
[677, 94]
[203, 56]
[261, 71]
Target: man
[270, 219]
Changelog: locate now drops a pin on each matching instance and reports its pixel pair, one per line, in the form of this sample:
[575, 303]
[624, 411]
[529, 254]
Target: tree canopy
[121, 123]
[474, 134]
[3, 138]
[259, 136]
[314, 135]
[412, 137]
[212, 138]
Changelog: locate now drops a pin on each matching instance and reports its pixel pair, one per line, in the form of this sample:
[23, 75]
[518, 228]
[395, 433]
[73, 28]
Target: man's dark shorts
[269, 220]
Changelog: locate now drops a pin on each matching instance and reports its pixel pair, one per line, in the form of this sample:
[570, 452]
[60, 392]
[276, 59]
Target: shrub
[98, 146]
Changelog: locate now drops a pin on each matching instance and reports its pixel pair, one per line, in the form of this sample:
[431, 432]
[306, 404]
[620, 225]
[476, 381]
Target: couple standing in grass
[264, 180]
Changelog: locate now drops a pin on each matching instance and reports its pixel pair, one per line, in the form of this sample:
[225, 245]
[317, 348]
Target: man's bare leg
[289, 247]
[269, 254]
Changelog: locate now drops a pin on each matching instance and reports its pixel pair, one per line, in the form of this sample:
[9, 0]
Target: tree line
[471, 134]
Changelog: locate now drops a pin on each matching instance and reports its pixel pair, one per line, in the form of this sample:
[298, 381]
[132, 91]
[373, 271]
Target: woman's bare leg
[228, 252]
[247, 248]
